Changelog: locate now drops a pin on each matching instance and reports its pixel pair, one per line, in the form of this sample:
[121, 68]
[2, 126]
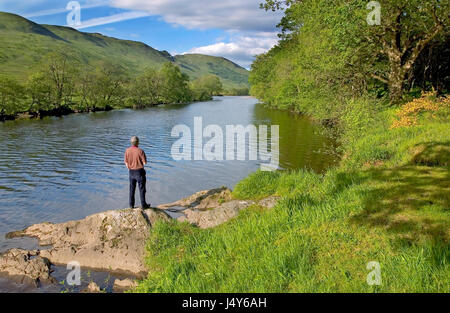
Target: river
[65, 168]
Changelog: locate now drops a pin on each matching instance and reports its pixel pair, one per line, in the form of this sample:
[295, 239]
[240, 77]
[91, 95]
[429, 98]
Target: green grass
[23, 44]
[388, 201]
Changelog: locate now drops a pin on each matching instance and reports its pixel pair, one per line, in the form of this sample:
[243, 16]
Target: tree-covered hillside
[331, 51]
[24, 44]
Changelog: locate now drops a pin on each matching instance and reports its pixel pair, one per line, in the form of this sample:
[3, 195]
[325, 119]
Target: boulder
[269, 202]
[26, 266]
[210, 208]
[216, 216]
[113, 240]
[202, 200]
[124, 284]
[92, 288]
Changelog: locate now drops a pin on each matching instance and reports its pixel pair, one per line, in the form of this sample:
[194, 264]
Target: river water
[65, 168]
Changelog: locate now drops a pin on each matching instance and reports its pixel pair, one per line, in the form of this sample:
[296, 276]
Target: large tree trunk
[396, 75]
[396, 79]
[395, 91]
[402, 54]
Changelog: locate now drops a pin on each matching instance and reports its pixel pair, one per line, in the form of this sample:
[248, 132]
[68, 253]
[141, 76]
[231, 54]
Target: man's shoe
[145, 207]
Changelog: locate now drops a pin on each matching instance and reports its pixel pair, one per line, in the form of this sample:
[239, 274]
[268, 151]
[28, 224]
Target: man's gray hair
[135, 141]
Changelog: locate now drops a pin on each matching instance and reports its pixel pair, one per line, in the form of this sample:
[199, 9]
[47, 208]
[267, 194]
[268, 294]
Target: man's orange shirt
[135, 158]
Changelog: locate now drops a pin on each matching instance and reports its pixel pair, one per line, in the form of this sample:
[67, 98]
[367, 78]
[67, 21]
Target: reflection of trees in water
[302, 144]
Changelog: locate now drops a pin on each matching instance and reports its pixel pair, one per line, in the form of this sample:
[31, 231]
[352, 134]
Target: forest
[62, 87]
[330, 51]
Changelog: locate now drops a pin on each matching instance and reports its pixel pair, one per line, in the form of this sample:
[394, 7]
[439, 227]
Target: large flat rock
[210, 208]
[113, 240]
[205, 199]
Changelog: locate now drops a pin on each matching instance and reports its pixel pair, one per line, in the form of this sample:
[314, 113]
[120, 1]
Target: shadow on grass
[432, 154]
[412, 203]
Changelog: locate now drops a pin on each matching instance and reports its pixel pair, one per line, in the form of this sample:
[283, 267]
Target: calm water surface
[60, 169]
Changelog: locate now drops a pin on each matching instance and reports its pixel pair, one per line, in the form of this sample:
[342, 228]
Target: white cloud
[242, 49]
[111, 19]
[239, 15]
[253, 29]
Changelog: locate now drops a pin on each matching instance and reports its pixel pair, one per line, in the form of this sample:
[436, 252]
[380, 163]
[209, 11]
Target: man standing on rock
[135, 160]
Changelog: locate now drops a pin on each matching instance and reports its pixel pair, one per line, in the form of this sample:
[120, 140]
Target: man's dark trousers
[138, 177]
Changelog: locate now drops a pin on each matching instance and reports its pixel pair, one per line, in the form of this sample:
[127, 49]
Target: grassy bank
[388, 201]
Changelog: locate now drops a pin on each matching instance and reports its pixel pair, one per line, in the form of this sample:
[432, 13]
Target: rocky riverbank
[62, 111]
[113, 241]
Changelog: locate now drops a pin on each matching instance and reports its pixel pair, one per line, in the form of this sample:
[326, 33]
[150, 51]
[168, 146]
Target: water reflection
[303, 143]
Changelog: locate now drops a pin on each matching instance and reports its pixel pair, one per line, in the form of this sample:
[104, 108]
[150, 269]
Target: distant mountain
[24, 43]
[196, 65]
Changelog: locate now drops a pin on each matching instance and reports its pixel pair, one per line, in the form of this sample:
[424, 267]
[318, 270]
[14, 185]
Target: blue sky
[235, 29]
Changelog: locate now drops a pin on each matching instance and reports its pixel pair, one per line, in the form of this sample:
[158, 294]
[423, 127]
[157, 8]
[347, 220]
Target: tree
[387, 52]
[174, 87]
[307, 71]
[102, 87]
[240, 91]
[212, 84]
[205, 87]
[61, 71]
[109, 84]
[11, 96]
[145, 89]
[39, 89]
[87, 91]
[407, 28]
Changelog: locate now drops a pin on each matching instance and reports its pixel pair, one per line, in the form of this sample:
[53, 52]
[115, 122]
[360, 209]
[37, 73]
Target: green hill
[23, 44]
[196, 65]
